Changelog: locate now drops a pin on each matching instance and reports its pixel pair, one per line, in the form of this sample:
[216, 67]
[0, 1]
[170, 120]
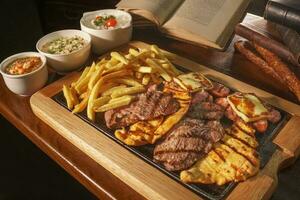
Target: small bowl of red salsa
[24, 73]
[24, 65]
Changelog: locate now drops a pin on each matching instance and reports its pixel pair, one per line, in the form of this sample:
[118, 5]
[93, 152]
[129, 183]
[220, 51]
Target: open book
[205, 22]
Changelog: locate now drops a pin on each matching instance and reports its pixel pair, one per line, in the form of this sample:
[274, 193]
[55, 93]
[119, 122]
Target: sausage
[222, 101]
[219, 90]
[260, 125]
[244, 48]
[274, 115]
[289, 78]
[230, 114]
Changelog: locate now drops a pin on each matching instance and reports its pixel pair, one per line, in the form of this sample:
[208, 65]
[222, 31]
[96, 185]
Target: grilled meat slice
[219, 90]
[222, 101]
[180, 160]
[149, 105]
[201, 96]
[206, 110]
[188, 142]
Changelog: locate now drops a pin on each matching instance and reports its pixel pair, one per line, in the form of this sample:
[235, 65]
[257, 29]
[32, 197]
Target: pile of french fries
[115, 82]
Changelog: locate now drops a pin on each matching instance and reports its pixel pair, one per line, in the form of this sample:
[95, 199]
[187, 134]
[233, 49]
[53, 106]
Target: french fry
[161, 71]
[117, 74]
[102, 61]
[107, 85]
[146, 79]
[83, 95]
[121, 98]
[100, 101]
[117, 67]
[113, 105]
[129, 57]
[82, 105]
[128, 81]
[92, 69]
[166, 66]
[119, 57]
[83, 84]
[133, 52]
[138, 75]
[111, 63]
[126, 91]
[83, 74]
[160, 61]
[94, 94]
[117, 80]
[144, 69]
[67, 94]
[74, 96]
[156, 50]
[111, 90]
[95, 77]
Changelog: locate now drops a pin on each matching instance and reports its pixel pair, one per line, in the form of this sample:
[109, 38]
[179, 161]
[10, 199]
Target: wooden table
[103, 184]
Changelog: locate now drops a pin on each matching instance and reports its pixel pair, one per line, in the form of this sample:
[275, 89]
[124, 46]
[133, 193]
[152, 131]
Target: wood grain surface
[141, 176]
[94, 177]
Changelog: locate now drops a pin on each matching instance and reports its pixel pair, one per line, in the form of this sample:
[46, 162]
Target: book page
[205, 12]
[160, 9]
[207, 18]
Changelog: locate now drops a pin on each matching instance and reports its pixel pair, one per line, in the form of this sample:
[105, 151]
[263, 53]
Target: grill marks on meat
[200, 97]
[187, 143]
[206, 110]
[149, 105]
[203, 107]
[219, 90]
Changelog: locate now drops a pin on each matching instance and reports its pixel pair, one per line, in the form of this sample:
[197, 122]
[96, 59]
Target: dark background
[25, 171]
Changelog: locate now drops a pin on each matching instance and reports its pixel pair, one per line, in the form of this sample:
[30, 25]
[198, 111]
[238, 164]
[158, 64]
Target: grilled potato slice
[235, 131]
[244, 168]
[245, 127]
[232, 159]
[241, 148]
[140, 133]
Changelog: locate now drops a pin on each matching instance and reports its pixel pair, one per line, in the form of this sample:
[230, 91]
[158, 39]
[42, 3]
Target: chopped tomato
[111, 22]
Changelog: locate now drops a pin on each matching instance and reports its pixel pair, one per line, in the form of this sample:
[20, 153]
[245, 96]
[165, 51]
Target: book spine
[291, 39]
[268, 43]
[282, 14]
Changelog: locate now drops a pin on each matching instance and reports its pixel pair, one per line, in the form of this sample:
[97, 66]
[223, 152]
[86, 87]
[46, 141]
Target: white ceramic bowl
[106, 39]
[67, 62]
[25, 84]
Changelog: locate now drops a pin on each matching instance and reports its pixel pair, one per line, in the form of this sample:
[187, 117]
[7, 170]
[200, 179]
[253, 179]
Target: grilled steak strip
[206, 110]
[188, 142]
[219, 90]
[150, 105]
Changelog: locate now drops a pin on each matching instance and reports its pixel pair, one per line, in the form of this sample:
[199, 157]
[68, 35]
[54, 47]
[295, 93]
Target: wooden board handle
[289, 137]
[263, 185]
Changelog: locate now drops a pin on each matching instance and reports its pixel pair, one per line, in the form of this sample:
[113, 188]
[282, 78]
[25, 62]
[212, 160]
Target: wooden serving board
[144, 178]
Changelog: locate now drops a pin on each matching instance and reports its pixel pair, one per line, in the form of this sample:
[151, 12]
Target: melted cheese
[247, 106]
[195, 81]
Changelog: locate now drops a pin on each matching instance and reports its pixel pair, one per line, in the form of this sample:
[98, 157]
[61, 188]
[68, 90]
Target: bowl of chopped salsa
[108, 28]
[24, 73]
[65, 50]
